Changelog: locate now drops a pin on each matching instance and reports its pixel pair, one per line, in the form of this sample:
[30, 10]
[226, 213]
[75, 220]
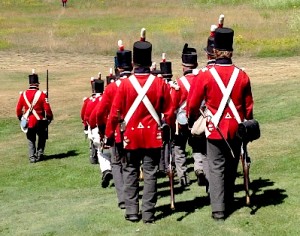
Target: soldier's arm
[248, 100]
[196, 97]
[19, 107]
[47, 107]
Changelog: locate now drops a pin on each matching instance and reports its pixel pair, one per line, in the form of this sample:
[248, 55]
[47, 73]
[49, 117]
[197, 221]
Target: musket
[170, 172]
[220, 132]
[171, 179]
[245, 160]
[47, 96]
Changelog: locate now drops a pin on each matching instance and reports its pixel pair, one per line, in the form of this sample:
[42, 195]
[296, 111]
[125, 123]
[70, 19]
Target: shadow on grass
[259, 197]
[188, 207]
[61, 155]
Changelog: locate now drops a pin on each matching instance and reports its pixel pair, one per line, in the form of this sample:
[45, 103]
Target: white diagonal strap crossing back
[226, 96]
[142, 97]
[30, 109]
[187, 86]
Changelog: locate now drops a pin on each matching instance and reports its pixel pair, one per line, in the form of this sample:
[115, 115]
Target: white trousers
[104, 155]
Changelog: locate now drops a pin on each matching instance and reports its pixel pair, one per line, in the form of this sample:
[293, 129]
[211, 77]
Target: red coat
[93, 116]
[91, 104]
[104, 107]
[83, 108]
[42, 107]
[180, 95]
[205, 87]
[192, 87]
[142, 131]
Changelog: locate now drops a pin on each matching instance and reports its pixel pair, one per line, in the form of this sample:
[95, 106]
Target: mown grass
[261, 27]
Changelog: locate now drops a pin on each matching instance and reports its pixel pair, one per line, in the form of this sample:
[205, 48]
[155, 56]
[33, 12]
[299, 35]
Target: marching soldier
[123, 65]
[179, 98]
[97, 90]
[140, 101]
[103, 155]
[64, 3]
[228, 98]
[86, 100]
[166, 74]
[199, 142]
[35, 114]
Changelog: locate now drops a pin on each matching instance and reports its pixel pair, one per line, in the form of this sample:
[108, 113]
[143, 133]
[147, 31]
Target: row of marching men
[127, 122]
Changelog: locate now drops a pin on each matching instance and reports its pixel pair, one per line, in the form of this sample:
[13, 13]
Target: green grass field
[62, 195]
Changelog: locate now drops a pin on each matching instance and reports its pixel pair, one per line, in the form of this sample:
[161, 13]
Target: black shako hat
[224, 39]
[33, 78]
[165, 67]
[98, 85]
[110, 78]
[142, 51]
[123, 57]
[211, 41]
[189, 56]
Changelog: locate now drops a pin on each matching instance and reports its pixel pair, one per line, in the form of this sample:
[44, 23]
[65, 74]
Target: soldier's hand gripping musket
[247, 131]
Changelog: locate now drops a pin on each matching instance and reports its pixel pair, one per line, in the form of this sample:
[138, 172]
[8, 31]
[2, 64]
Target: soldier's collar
[223, 61]
[188, 72]
[142, 70]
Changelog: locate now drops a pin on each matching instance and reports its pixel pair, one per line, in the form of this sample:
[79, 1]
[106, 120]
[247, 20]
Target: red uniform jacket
[179, 96]
[83, 108]
[91, 104]
[42, 107]
[104, 107]
[142, 131]
[209, 64]
[93, 116]
[205, 87]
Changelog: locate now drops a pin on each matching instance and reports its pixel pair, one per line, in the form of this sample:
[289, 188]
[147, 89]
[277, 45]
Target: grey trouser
[180, 142]
[40, 131]
[150, 159]
[117, 160]
[222, 172]
[93, 151]
[198, 145]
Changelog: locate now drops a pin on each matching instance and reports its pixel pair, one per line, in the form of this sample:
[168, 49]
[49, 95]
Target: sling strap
[226, 96]
[187, 86]
[30, 109]
[118, 82]
[142, 97]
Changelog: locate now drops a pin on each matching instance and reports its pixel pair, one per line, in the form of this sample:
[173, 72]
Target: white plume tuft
[221, 19]
[213, 28]
[143, 33]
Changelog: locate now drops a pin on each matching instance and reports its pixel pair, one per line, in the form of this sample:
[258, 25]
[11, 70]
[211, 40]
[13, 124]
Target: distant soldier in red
[179, 96]
[199, 142]
[140, 101]
[123, 68]
[166, 74]
[226, 91]
[86, 110]
[34, 112]
[64, 3]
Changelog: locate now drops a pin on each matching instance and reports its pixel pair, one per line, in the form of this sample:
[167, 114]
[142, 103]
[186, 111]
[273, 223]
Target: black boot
[33, 159]
[106, 177]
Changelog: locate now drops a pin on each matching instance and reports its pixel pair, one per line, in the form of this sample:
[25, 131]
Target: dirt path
[72, 74]
[269, 69]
